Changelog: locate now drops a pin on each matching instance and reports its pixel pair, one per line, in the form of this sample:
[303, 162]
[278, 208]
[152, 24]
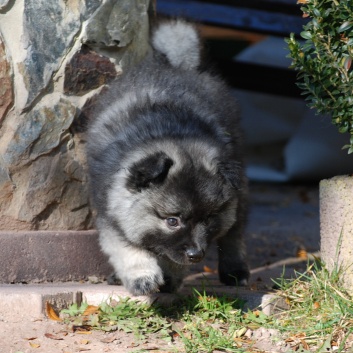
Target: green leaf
[306, 35]
[316, 12]
[344, 26]
[343, 129]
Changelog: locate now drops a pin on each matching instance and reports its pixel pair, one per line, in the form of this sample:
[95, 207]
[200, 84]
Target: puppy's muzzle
[194, 255]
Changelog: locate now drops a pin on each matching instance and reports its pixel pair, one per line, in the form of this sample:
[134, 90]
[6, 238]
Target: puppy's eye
[173, 222]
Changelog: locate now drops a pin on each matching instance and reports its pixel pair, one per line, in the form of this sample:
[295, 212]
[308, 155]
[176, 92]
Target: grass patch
[319, 319]
[320, 311]
[200, 322]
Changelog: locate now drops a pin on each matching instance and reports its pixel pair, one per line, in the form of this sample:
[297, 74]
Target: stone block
[336, 226]
[86, 71]
[40, 131]
[48, 256]
[120, 29]
[50, 30]
[116, 23]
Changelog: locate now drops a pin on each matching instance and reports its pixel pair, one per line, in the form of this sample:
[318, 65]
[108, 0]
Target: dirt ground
[283, 223]
[45, 336]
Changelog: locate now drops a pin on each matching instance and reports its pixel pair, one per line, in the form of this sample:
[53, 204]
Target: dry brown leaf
[91, 309]
[151, 348]
[34, 344]
[52, 315]
[304, 344]
[31, 338]
[175, 335]
[253, 286]
[84, 341]
[316, 305]
[81, 328]
[302, 254]
[238, 342]
[208, 269]
[84, 329]
[53, 337]
[296, 337]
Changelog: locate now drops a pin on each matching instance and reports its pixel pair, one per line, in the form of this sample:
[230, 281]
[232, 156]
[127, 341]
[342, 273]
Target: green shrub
[324, 60]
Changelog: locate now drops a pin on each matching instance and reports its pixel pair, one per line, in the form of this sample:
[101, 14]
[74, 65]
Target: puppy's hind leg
[137, 269]
[232, 266]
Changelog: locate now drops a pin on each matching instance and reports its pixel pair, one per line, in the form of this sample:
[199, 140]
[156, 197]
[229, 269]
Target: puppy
[166, 169]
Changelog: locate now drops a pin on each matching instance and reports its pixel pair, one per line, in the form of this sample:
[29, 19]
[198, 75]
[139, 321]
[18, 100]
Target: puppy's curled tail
[179, 42]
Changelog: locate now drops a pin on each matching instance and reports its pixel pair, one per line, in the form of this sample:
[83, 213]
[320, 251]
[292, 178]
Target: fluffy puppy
[166, 168]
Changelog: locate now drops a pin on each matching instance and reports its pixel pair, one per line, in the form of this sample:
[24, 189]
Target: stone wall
[55, 55]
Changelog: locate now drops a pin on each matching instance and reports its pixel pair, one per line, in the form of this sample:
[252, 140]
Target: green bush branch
[324, 60]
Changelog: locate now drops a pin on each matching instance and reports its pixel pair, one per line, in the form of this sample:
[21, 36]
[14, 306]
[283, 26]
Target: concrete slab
[24, 302]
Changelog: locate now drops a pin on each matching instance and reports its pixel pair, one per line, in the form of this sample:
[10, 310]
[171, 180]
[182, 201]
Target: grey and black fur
[166, 168]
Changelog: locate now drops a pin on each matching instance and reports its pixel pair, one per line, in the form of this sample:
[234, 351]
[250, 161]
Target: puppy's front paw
[144, 285]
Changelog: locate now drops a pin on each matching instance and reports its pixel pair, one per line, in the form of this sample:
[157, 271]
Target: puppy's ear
[152, 169]
[231, 172]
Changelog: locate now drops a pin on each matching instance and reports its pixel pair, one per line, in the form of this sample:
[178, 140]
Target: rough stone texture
[103, 29]
[336, 223]
[87, 70]
[48, 163]
[81, 121]
[40, 133]
[50, 30]
[119, 29]
[47, 69]
[6, 89]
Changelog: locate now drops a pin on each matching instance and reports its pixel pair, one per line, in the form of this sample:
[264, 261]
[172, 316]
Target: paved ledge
[27, 301]
[51, 256]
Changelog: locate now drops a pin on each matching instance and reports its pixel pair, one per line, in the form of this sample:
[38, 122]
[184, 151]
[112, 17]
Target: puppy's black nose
[194, 255]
